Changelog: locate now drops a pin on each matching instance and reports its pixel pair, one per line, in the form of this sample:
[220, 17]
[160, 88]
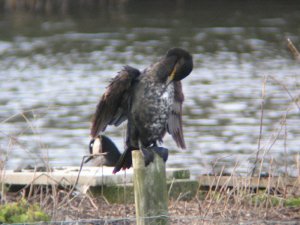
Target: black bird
[151, 101]
[103, 144]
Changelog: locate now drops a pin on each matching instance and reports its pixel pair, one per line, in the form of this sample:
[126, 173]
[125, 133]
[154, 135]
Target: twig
[294, 100]
[263, 92]
[171, 186]
[78, 176]
[293, 49]
[26, 111]
[92, 202]
[298, 164]
[285, 149]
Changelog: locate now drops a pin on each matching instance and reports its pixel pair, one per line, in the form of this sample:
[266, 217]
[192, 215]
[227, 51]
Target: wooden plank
[150, 190]
[92, 176]
[248, 182]
[99, 176]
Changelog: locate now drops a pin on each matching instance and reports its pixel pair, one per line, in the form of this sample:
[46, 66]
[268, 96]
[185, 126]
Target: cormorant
[102, 144]
[151, 101]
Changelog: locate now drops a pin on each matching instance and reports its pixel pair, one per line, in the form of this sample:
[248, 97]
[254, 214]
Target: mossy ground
[21, 212]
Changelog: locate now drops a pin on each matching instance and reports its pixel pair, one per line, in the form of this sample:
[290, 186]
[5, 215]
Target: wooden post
[150, 190]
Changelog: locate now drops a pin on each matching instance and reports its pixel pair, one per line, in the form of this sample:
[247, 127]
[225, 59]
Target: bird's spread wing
[174, 124]
[113, 106]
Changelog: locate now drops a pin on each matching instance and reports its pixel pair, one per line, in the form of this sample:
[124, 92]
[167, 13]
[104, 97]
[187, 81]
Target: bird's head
[94, 148]
[182, 64]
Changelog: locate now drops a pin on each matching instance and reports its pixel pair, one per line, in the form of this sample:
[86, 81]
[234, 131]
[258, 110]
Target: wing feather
[174, 124]
[113, 106]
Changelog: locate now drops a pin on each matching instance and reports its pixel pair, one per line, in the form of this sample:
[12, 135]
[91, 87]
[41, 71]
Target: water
[55, 66]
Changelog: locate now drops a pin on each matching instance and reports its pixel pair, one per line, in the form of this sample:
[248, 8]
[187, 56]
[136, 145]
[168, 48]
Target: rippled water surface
[55, 67]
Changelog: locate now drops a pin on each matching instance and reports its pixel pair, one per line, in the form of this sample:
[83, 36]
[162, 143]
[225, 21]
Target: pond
[56, 64]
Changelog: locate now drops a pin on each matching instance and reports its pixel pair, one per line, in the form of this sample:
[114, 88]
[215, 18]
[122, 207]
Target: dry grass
[225, 203]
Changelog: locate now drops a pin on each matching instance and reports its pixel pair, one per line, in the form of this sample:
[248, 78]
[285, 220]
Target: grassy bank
[213, 205]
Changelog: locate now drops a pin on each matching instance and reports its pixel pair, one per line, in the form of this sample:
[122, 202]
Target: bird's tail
[124, 162]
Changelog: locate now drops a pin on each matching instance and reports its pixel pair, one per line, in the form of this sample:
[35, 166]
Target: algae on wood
[150, 190]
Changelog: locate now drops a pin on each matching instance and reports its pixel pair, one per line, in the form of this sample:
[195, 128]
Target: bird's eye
[91, 145]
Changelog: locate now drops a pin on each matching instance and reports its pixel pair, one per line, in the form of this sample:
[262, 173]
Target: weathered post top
[150, 190]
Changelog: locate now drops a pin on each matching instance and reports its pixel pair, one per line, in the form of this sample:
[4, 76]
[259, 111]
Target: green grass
[292, 202]
[21, 212]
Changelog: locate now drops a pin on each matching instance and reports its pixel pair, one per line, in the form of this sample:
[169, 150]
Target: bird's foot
[162, 152]
[148, 155]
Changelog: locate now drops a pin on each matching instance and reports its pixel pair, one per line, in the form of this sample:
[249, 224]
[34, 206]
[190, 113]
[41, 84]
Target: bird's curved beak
[169, 80]
[172, 75]
[91, 145]
[88, 159]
